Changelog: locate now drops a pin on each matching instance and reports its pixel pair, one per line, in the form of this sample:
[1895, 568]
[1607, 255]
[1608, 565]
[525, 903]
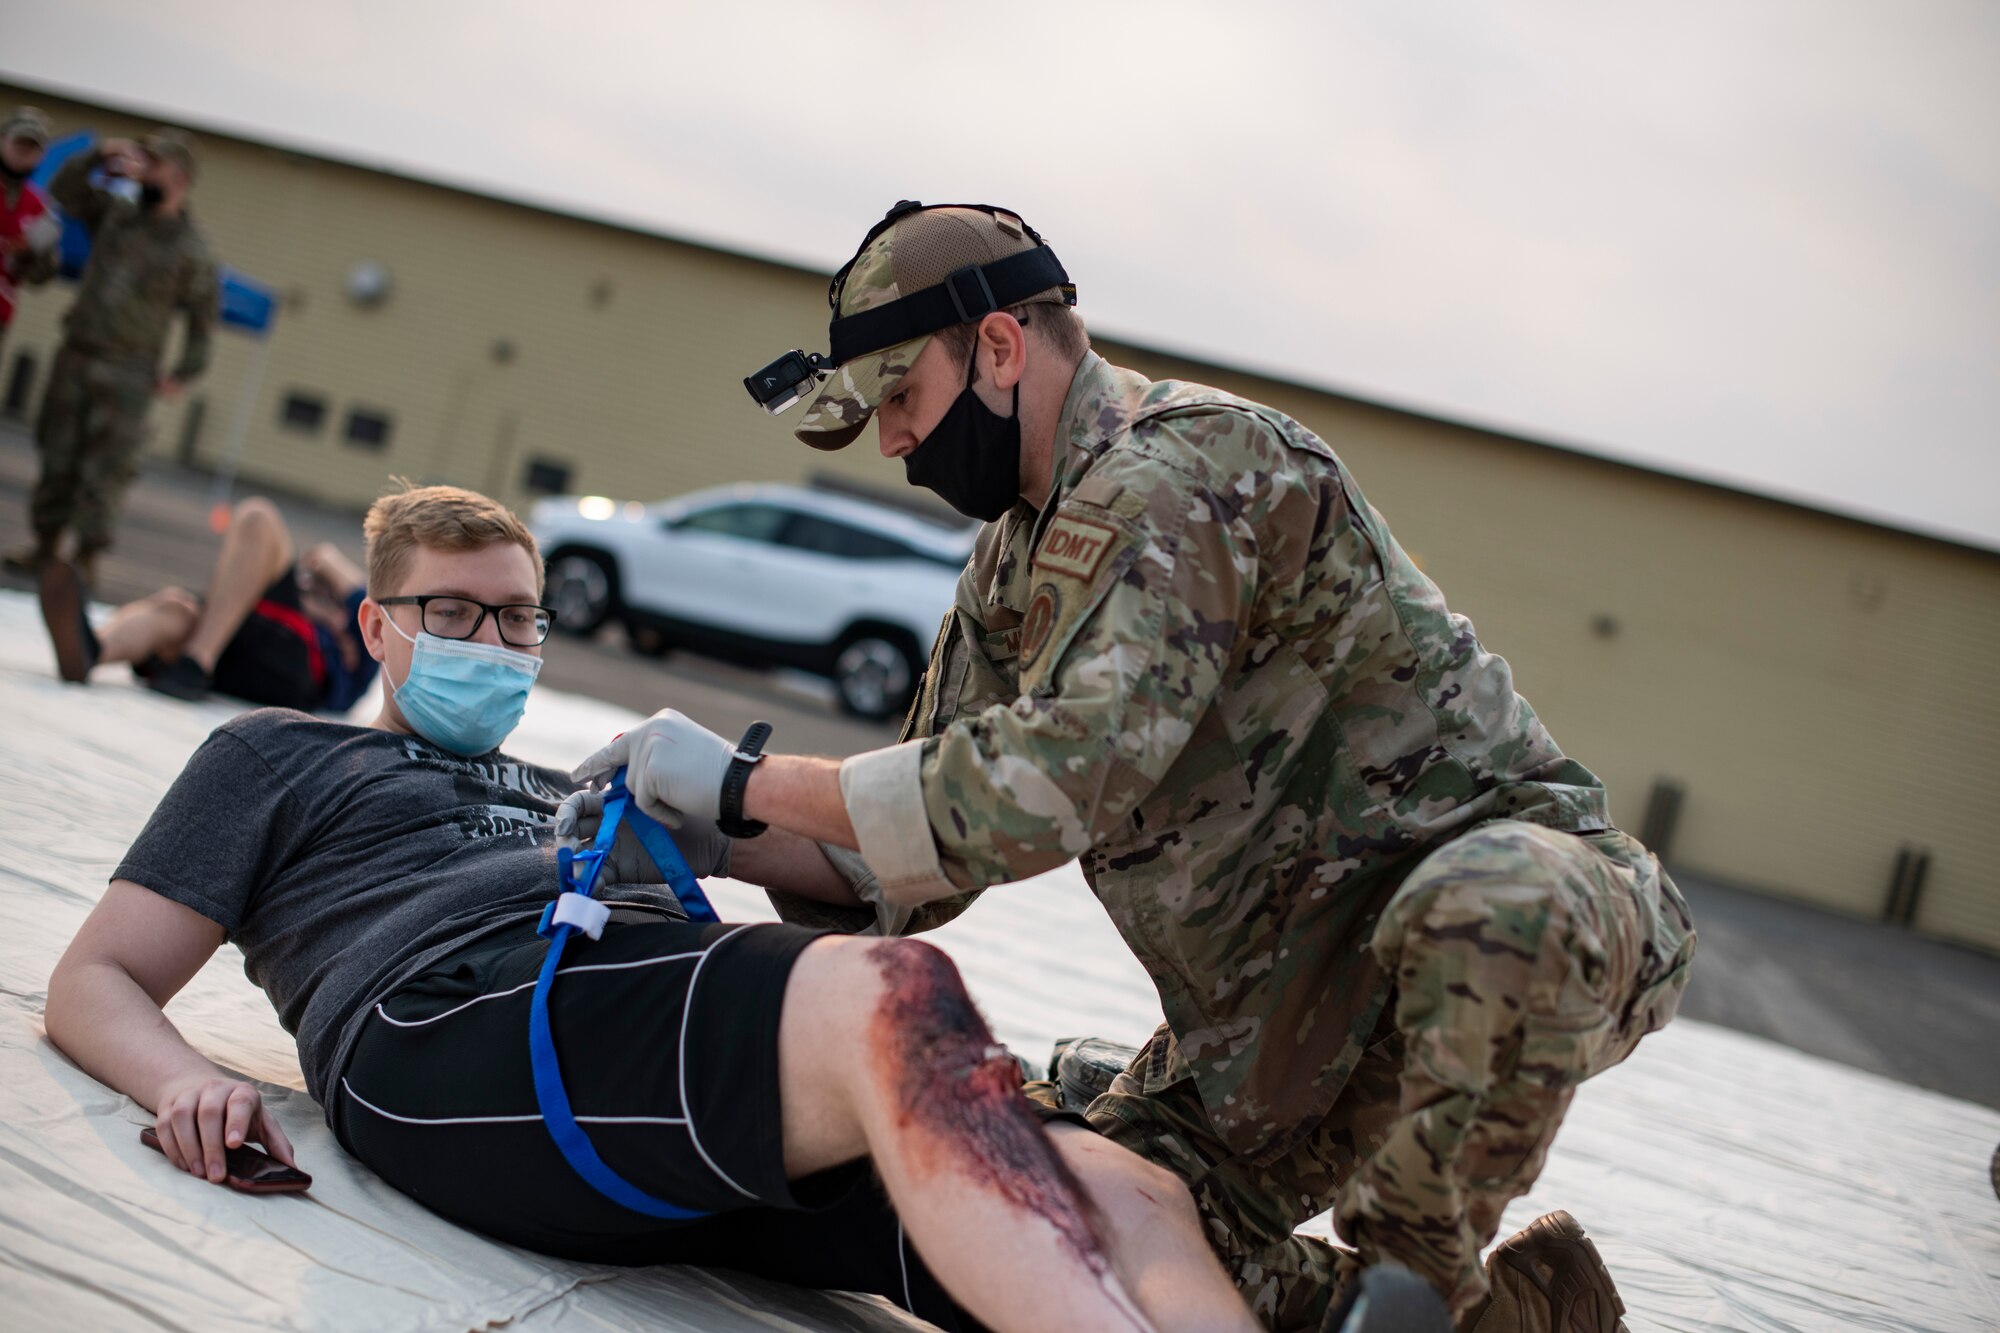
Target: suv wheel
[873, 673]
[582, 587]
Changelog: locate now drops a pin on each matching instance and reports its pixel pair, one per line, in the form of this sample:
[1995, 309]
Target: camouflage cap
[917, 251]
[170, 145]
[28, 122]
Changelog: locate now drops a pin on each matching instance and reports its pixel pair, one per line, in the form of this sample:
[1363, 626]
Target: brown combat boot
[64, 611]
[1548, 1279]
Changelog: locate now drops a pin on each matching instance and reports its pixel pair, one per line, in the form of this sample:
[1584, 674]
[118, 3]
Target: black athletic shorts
[270, 662]
[667, 1036]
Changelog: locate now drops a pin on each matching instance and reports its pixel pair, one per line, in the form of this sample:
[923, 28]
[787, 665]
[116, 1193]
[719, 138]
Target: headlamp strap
[965, 296]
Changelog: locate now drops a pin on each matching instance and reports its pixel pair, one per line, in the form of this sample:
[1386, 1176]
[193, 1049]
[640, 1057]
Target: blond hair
[444, 518]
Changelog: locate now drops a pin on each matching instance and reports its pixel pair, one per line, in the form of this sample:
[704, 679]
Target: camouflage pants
[1525, 960]
[92, 424]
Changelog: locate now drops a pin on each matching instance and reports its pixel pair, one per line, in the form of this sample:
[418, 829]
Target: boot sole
[1561, 1232]
[61, 596]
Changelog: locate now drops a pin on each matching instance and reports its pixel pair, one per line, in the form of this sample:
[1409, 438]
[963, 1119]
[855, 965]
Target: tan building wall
[1824, 690]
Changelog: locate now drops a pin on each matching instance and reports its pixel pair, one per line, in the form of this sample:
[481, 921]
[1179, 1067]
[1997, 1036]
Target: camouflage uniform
[142, 269]
[1391, 924]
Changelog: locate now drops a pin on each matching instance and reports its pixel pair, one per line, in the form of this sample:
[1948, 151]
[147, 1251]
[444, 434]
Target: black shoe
[1389, 1298]
[1083, 1068]
[183, 678]
[62, 598]
[149, 666]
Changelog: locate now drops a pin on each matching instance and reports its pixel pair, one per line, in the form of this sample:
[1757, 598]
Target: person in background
[274, 628]
[29, 230]
[148, 262]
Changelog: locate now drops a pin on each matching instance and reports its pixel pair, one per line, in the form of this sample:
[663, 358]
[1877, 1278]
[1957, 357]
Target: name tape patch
[1075, 546]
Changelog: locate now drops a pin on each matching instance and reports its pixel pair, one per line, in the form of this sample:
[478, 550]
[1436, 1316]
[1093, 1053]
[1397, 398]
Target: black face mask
[972, 458]
[150, 197]
[11, 176]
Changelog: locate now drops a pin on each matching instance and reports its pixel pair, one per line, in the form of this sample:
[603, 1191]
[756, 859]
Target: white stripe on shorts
[687, 1008]
[384, 1015]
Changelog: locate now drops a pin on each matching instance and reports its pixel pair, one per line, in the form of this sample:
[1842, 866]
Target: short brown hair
[444, 518]
[1058, 326]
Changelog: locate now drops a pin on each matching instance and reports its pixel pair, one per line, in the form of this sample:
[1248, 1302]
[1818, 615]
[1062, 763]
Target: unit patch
[1041, 618]
[1075, 546]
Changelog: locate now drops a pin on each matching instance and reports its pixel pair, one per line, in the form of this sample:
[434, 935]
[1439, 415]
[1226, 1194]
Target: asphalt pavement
[1917, 1010]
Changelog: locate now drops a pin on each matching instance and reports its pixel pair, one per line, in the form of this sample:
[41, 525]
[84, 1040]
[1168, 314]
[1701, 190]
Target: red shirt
[15, 219]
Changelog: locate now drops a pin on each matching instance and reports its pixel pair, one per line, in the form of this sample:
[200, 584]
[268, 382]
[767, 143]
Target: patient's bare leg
[256, 549]
[154, 626]
[882, 1052]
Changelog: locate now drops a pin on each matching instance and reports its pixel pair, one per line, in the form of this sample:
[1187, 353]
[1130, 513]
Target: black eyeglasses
[522, 625]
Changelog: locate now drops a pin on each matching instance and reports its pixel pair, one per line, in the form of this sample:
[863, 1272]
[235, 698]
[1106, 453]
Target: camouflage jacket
[1208, 671]
[141, 270]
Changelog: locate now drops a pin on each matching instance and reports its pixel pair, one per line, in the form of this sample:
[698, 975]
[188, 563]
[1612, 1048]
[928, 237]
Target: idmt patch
[1075, 546]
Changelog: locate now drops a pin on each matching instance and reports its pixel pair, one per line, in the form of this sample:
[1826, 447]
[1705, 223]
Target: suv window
[748, 522]
[824, 536]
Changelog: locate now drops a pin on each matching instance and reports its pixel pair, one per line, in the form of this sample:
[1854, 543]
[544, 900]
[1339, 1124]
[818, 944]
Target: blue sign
[246, 303]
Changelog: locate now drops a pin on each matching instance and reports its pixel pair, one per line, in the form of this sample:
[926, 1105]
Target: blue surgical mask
[466, 697]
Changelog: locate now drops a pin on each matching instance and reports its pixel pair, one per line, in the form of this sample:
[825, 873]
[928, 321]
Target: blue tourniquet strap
[579, 875]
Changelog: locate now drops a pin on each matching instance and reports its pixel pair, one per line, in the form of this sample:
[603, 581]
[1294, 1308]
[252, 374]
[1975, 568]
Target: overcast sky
[1756, 241]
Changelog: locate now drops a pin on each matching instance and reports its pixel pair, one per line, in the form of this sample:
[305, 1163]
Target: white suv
[767, 575]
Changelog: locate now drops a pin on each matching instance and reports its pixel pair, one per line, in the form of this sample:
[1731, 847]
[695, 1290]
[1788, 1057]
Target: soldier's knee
[1494, 888]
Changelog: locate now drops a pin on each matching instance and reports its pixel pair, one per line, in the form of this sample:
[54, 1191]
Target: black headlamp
[966, 296]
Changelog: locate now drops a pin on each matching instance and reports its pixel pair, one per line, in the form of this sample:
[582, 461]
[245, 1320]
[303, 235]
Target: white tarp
[1731, 1183]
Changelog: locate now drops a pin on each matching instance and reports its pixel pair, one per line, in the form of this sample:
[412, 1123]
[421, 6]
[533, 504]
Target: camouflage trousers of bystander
[89, 432]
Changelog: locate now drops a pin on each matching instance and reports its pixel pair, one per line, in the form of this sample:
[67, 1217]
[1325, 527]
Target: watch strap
[736, 778]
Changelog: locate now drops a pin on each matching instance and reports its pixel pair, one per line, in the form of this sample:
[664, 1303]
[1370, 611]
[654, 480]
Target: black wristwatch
[737, 777]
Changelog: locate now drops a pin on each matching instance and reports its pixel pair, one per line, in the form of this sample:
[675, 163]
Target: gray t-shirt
[344, 860]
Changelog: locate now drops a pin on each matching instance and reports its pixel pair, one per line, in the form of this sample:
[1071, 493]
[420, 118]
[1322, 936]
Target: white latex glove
[702, 845]
[673, 767]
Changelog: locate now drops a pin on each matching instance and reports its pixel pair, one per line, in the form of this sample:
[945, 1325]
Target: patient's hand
[199, 1119]
[327, 567]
